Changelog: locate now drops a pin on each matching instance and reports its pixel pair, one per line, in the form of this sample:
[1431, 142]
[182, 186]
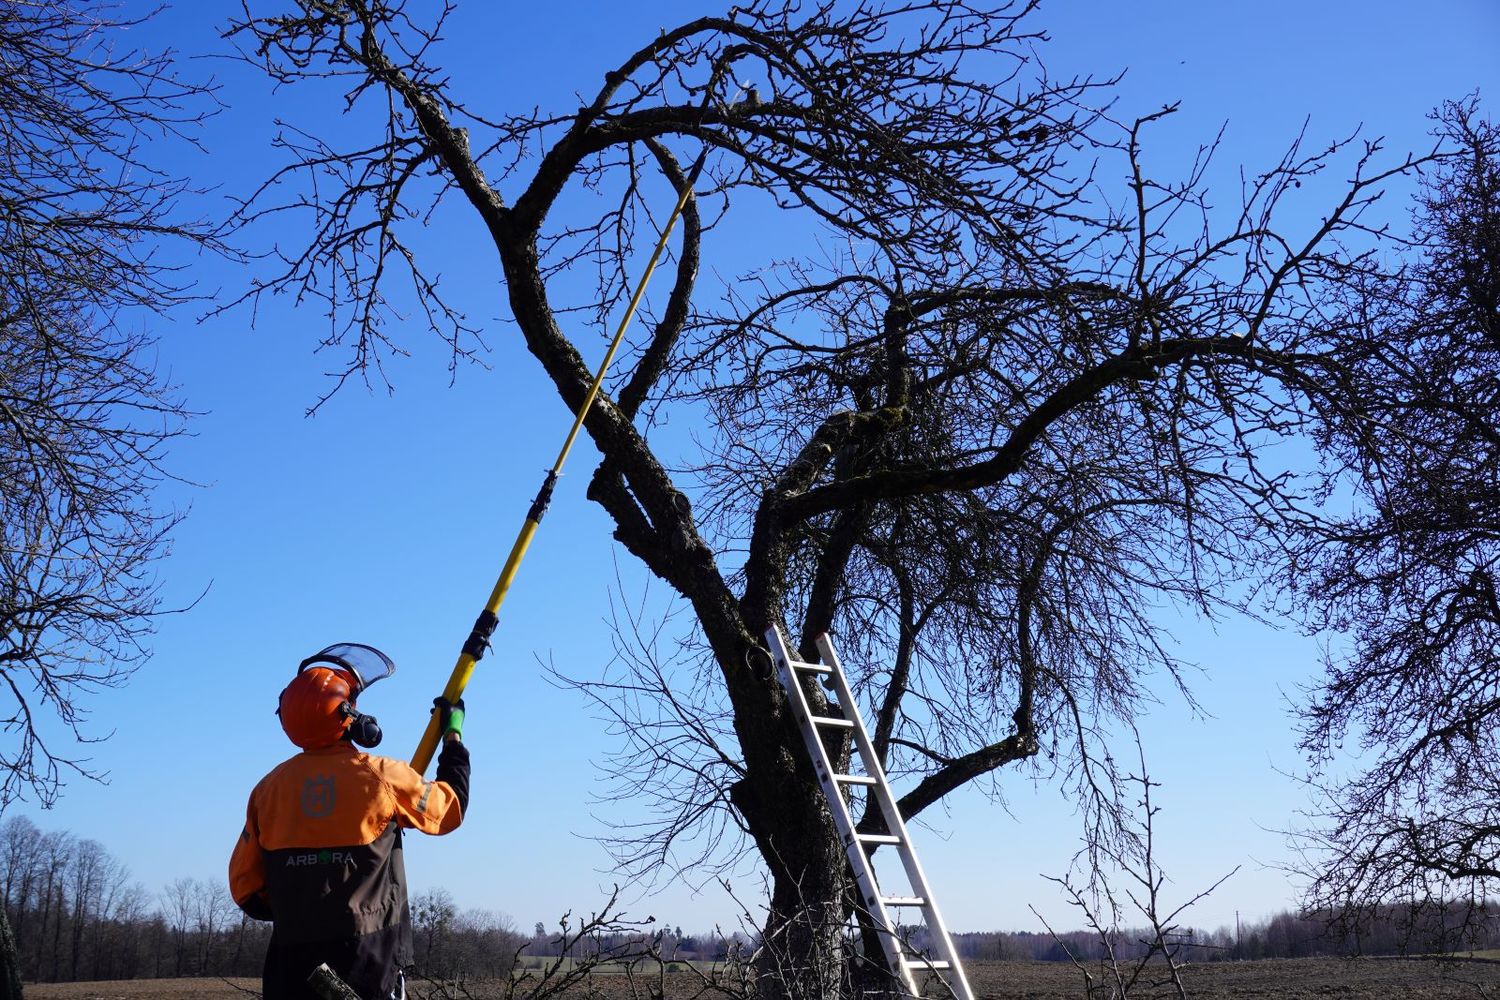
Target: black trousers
[368, 968]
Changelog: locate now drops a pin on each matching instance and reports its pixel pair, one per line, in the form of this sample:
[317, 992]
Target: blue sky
[385, 517]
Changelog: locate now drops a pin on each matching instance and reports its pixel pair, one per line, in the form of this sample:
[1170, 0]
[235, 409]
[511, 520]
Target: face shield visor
[365, 663]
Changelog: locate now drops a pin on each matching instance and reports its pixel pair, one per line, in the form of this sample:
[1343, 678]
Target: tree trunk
[10, 968]
[78, 928]
[803, 954]
[239, 947]
[59, 910]
[20, 930]
[40, 952]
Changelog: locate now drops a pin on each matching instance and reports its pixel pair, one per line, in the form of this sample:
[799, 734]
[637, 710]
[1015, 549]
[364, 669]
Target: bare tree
[54, 852]
[1413, 579]
[84, 419]
[179, 902]
[433, 916]
[1131, 881]
[1003, 412]
[488, 944]
[118, 914]
[85, 220]
[18, 837]
[88, 873]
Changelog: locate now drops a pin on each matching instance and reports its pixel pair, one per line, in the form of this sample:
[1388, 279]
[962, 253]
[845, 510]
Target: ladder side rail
[859, 861]
[959, 982]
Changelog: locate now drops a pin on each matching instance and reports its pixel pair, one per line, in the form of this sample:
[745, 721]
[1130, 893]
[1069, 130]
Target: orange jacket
[320, 851]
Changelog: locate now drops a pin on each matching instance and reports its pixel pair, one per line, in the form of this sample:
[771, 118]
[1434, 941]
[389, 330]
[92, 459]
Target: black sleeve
[256, 907]
[453, 767]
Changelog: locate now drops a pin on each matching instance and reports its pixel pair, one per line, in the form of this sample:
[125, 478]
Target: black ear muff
[364, 730]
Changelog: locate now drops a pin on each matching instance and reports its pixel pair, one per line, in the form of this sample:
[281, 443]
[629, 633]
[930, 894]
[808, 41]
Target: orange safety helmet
[317, 707]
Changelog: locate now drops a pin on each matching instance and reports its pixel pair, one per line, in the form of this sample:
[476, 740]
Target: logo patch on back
[323, 857]
[317, 796]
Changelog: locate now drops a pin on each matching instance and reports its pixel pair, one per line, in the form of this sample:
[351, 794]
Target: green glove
[452, 719]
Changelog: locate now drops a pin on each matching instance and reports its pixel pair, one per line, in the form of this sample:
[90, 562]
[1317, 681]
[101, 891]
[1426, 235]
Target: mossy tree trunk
[10, 969]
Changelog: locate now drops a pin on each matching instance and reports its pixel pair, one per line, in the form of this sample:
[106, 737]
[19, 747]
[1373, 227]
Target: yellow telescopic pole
[479, 638]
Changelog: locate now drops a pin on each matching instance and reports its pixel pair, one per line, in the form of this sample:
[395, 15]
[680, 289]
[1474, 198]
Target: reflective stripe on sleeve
[426, 791]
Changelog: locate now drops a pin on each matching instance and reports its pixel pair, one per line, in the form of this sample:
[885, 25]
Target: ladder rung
[926, 963]
[903, 900]
[811, 668]
[876, 838]
[854, 779]
[831, 722]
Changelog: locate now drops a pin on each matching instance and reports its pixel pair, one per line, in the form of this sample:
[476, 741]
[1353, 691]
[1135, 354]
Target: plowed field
[1293, 979]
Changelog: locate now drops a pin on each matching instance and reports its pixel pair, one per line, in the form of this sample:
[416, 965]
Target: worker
[320, 855]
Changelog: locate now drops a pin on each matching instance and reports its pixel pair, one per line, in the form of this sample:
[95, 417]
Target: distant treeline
[77, 915]
[1385, 930]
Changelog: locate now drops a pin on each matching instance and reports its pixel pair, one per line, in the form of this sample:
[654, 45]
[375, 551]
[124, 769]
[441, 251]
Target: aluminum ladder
[899, 956]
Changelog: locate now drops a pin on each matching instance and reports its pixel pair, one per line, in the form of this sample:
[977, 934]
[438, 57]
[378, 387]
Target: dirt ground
[1289, 979]
[1272, 979]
